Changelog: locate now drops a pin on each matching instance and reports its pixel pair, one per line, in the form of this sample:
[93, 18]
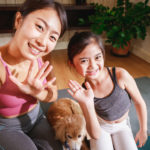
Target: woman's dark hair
[80, 40]
[32, 5]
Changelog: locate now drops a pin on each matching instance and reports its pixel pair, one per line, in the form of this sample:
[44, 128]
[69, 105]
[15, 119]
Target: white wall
[4, 38]
[142, 48]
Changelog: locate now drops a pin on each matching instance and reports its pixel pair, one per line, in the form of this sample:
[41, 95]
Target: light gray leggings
[28, 132]
[116, 136]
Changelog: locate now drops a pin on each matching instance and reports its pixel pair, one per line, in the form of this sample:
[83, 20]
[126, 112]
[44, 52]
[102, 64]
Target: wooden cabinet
[7, 13]
[74, 12]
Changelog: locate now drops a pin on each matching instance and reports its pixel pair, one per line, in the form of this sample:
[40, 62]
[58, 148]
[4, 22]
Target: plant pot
[80, 2]
[121, 51]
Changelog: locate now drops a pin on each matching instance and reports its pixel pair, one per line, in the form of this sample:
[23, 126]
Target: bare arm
[2, 74]
[86, 101]
[126, 81]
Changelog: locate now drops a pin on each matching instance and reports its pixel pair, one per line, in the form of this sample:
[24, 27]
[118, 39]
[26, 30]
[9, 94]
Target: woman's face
[37, 34]
[90, 62]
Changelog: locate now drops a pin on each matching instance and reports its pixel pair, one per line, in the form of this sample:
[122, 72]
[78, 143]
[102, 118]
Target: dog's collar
[67, 145]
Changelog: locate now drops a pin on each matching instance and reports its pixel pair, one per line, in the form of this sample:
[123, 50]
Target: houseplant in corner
[122, 23]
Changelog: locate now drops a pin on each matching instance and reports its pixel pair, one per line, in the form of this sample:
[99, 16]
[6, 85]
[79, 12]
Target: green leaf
[122, 34]
[81, 21]
[121, 23]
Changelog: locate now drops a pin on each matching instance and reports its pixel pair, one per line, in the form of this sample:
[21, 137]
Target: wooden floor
[63, 72]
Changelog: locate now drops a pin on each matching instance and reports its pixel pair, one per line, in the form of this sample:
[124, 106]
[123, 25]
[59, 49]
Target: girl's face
[37, 34]
[90, 62]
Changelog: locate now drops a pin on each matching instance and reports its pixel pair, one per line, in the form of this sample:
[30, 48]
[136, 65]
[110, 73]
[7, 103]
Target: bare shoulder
[2, 72]
[122, 73]
[2, 67]
[124, 78]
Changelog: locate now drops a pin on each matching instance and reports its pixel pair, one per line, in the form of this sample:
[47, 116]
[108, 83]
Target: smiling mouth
[34, 50]
[92, 72]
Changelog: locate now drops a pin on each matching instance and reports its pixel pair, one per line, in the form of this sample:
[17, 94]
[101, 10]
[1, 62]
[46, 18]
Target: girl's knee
[104, 142]
[124, 140]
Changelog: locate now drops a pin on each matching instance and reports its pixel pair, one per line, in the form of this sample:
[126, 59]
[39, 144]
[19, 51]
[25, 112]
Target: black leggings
[28, 132]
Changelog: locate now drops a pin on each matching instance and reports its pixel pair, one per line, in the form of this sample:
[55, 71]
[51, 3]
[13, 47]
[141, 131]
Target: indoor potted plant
[121, 24]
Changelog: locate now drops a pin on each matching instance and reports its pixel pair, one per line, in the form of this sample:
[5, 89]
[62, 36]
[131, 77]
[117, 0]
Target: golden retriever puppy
[67, 120]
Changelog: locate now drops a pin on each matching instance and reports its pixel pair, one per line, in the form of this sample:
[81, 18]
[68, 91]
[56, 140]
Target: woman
[25, 79]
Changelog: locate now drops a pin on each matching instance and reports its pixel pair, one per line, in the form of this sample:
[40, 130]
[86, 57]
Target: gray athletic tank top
[115, 105]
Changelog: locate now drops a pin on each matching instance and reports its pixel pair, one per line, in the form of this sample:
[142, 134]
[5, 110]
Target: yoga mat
[143, 84]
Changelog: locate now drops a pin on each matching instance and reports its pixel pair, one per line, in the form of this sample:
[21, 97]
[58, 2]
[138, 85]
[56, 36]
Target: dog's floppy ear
[60, 131]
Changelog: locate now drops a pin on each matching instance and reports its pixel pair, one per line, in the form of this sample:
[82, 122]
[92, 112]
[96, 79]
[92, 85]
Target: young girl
[26, 79]
[105, 91]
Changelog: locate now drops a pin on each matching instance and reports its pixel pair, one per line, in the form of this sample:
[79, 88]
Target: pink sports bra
[12, 101]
